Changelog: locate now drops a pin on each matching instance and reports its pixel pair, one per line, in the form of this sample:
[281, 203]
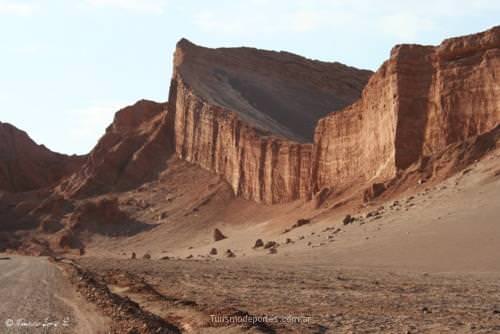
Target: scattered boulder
[301, 222]
[213, 251]
[270, 244]
[134, 256]
[273, 250]
[348, 219]
[146, 256]
[230, 253]
[258, 243]
[218, 235]
[425, 309]
[288, 241]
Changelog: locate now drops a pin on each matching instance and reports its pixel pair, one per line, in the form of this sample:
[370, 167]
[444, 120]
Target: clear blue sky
[67, 65]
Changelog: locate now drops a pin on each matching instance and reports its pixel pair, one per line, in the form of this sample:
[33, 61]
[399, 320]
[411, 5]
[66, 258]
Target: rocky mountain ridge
[25, 165]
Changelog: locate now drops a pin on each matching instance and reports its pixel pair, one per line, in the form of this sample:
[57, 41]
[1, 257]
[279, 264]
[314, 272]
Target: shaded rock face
[248, 114]
[133, 150]
[26, 166]
[419, 102]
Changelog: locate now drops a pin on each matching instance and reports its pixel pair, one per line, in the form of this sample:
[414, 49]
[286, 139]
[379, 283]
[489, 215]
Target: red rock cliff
[25, 166]
[248, 115]
[133, 150]
[419, 102]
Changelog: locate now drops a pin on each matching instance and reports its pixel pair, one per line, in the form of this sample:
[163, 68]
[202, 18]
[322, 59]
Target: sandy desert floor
[421, 263]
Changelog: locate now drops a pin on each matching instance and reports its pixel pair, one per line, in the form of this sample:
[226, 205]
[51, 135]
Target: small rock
[425, 309]
[273, 251]
[147, 256]
[270, 244]
[301, 222]
[288, 241]
[190, 256]
[134, 256]
[218, 235]
[348, 220]
[229, 253]
[213, 251]
[258, 243]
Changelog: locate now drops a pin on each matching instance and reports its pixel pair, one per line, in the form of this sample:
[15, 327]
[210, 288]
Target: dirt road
[36, 298]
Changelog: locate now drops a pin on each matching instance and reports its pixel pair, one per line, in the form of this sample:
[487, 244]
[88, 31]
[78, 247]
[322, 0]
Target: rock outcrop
[419, 102]
[26, 166]
[249, 115]
[134, 149]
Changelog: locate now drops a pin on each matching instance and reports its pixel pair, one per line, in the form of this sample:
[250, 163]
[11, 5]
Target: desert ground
[38, 298]
[421, 263]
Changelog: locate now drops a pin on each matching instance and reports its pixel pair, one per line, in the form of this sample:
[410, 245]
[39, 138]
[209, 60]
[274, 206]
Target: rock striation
[26, 166]
[419, 102]
[249, 115]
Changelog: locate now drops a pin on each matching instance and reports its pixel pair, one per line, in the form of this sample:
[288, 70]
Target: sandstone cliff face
[356, 144]
[133, 150]
[26, 166]
[248, 115]
[419, 102]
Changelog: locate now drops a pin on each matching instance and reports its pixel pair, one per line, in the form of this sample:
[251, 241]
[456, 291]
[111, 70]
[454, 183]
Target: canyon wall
[260, 167]
[279, 127]
[421, 100]
[249, 115]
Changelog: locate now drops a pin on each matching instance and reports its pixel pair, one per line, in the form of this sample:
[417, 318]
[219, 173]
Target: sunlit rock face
[420, 101]
[249, 115]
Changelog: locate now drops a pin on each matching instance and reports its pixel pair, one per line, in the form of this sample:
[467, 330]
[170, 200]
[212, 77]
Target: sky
[66, 66]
